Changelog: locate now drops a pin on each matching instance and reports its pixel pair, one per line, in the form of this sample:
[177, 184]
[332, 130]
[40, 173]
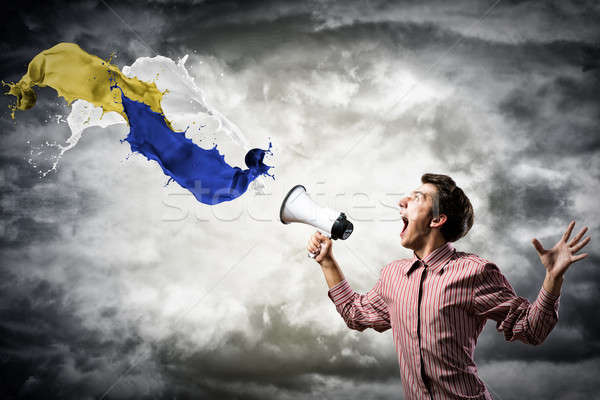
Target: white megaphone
[297, 206]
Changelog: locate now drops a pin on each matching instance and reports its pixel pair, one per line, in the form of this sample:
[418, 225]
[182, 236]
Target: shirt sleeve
[495, 299]
[361, 311]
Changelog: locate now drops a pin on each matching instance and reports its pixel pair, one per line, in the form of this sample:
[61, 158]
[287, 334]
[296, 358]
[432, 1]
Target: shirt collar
[435, 260]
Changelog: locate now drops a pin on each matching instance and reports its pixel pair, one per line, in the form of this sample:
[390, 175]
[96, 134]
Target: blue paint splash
[203, 172]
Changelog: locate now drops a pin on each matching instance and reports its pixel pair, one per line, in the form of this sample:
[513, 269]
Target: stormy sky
[116, 286]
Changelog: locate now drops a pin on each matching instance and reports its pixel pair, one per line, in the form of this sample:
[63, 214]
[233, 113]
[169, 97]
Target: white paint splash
[184, 105]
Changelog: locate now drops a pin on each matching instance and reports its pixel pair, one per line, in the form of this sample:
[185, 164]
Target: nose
[403, 203]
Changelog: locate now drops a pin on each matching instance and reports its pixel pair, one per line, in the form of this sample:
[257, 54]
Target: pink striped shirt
[437, 307]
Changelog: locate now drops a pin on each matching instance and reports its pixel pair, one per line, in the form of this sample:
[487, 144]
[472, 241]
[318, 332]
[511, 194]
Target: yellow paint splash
[75, 74]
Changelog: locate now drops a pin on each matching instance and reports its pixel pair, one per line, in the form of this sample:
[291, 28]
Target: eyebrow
[426, 195]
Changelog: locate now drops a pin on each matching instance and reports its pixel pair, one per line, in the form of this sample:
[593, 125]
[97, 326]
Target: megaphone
[297, 206]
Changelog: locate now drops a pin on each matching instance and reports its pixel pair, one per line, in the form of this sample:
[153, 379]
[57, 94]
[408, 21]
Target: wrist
[553, 277]
[331, 271]
[552, 283]
[328, 263]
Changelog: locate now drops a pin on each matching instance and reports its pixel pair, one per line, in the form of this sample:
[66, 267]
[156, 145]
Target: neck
[431, 243]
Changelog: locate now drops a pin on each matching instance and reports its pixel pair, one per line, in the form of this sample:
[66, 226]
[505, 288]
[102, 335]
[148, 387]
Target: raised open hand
[558, 259]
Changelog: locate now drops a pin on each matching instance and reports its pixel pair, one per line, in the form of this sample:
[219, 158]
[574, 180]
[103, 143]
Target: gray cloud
[282, 356]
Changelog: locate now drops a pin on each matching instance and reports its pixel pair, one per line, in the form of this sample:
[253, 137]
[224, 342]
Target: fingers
[580, 246]
[578, 237]
[312, 249]
[538, 246]
[568, 231]
[579, 257]
[315, 243]
[322, 253]
[321, 236]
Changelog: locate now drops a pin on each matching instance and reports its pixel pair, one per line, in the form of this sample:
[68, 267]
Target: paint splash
[203, 172]
[77, 75]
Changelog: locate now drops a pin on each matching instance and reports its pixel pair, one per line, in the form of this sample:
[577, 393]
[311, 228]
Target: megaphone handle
[313, 255]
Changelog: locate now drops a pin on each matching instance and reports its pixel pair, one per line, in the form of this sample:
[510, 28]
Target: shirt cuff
[547, 301]
[340, 293]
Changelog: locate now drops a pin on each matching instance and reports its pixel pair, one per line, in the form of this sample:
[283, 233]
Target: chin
[405, 242]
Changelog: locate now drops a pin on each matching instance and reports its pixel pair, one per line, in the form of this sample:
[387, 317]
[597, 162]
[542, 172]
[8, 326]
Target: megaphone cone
[297, 206]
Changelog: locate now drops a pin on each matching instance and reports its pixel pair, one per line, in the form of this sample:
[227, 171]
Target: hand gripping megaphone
[297, 206]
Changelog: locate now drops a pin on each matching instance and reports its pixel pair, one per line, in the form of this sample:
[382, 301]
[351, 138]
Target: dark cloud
[46, 350]
[284, 356]
[34, 26]
[517, 200]
[559, 115]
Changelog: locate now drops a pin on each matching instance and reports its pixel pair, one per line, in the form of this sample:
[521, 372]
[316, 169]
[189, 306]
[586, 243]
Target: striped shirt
[437, 307]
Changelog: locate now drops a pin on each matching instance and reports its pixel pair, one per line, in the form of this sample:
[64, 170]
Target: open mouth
[405, 220]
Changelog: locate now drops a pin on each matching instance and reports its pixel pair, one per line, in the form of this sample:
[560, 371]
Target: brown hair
[454, 203]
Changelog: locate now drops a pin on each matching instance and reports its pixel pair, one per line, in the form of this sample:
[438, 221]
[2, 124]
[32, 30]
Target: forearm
[543, 314]
[552, 284]
[516, 317]
[332, 272]
[360, 311]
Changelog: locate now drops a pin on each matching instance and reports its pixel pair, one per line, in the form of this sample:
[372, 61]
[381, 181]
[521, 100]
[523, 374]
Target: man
[438, 301]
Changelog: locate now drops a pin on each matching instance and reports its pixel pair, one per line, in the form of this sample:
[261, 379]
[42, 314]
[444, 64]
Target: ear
[439, 221]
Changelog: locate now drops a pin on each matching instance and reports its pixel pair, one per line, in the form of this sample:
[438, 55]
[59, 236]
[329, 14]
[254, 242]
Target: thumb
[538, 246]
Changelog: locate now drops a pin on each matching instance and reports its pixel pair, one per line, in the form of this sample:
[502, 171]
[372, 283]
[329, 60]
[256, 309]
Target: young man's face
[417, 213]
